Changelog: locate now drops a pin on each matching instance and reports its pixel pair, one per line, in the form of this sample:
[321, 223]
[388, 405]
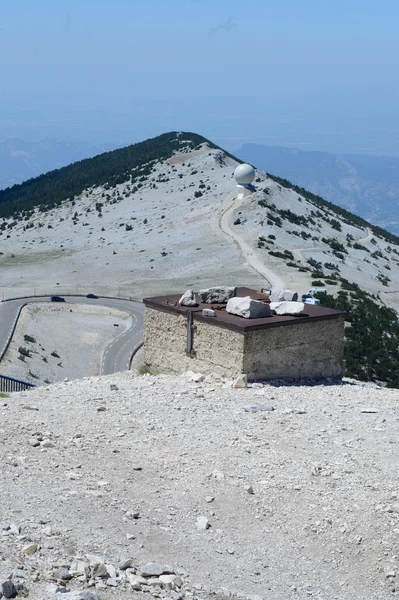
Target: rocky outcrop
[284, 295]
[208, 312]
[287, 308]
[217, 295]
[248, 308]
[188, 299]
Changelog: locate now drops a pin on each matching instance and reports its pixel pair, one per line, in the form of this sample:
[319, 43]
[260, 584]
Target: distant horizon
[228, 147]
[311, 75]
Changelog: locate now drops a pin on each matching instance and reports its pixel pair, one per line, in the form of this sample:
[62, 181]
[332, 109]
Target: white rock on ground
[324, 473]
[240, 382]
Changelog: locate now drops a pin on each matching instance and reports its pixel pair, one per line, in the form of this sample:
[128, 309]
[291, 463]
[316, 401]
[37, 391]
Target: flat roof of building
[224, 319]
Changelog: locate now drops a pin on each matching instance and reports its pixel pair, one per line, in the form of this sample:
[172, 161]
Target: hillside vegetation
[366, 185]
[372, 335]
[342, 212]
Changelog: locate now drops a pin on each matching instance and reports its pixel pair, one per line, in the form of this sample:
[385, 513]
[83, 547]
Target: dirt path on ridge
[231, 203]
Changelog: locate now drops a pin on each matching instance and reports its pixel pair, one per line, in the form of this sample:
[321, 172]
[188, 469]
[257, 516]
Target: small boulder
[47, 444]
[15, 529]
[136, 581]
[290, 296]
[126, 564]
[254, 408]
[8, 589]
[202, 523]
[240, 382]
[284, 295]
[100, 570]
[188, 299]
[208, 312]
[80, 595]
[219, 475]
[287, 308]
[30, 549]
[248, 308]
[154, 570]
[217, 295]
[170, 582]
[62, 573]
[195, 377]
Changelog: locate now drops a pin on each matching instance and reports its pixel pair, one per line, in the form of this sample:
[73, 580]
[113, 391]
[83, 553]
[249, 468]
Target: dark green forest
[371, 335]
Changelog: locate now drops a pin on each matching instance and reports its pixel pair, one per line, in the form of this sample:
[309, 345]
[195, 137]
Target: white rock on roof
[287, 308]
[248, 308]
[217, 295]
[188, 299]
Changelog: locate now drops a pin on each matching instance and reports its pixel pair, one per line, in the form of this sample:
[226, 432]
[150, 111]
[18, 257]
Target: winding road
[116, 355]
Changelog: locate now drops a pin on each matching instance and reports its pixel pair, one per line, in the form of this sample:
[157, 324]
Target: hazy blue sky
[316, 74]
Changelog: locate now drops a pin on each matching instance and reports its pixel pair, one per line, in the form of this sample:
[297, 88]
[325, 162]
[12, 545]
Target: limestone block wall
[215, 350]
[313, 350]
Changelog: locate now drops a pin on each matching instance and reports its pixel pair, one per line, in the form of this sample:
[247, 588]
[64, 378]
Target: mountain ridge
[157, 228]
[111, 167]
[21, 160]
[364, 184]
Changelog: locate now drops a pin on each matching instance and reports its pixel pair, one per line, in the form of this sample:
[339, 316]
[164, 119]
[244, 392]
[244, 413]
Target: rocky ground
[277, 491]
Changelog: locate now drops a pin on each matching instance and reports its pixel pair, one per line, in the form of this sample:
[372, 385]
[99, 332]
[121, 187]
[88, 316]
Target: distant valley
[363, 184]
[21, 160]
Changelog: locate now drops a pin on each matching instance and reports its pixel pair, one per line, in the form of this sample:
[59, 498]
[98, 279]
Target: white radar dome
[244, 174]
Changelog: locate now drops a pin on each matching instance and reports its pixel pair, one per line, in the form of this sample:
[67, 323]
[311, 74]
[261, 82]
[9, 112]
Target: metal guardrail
[9, 384]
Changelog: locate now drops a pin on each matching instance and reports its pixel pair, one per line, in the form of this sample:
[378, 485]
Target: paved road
[116, 356]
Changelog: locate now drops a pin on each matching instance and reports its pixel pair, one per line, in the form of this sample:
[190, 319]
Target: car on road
[57, 299]
[319, 290]
[92, 296]
[308, 299]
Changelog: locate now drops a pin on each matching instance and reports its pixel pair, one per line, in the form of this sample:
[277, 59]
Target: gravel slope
[322, 522]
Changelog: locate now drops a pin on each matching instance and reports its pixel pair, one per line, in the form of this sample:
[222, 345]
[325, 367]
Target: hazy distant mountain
[20, 160]
[365, 185]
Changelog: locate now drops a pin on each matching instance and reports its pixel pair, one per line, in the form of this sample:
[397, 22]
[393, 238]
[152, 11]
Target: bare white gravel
[322, 521]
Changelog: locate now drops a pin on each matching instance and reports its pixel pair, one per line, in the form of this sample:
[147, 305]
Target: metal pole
[189, 339]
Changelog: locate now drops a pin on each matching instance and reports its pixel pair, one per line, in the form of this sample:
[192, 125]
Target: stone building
[180, 338]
